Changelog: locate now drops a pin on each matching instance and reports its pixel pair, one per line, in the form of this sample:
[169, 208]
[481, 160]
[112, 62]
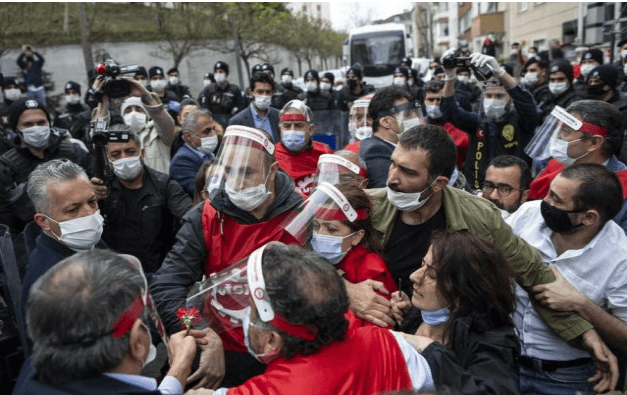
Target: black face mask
[595, 91]
[352, 83]
[557, 220]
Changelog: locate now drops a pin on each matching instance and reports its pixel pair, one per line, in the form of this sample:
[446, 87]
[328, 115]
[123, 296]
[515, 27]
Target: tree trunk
[88, 57]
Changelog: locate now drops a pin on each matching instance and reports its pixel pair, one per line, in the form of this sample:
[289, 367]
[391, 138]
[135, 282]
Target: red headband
[592, 129]
[335, 214]
[293, 117]
[301, 331]
[128, 318]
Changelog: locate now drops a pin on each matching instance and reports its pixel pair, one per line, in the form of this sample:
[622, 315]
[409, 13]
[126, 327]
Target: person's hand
[479, 60]
[28, 49]
[137, 89]
[367, 304]
[99, 188]
[181, 353]
[400, 305]
[607, 373]
[449, 53]
[211, 367]
[559, 295]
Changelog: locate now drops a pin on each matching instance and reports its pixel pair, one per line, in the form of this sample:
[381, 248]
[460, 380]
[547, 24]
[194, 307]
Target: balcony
[482, 24]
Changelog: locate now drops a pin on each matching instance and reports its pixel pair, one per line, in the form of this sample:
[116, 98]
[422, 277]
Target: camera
[454, 60]
[100, 138]
[109, 72]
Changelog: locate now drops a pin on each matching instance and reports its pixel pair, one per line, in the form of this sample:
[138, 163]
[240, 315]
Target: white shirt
[599, 270]
[169, 385]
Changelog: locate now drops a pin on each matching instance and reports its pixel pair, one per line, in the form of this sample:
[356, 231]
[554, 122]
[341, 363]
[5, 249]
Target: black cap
[155, 70]
[535, 59]
[267, 66]
[330, 76]
[403, 70]
[438, 70]
[607, 74]
[287, 70]
[220, 65]
[141, 71]
[562, 65]
[72, 85]
[10, 81]
[173, 70]
[256, 68]
[594, 54]
[312, 73]
[355, 70]
[407, 61]
[22, 104]
[622, 42]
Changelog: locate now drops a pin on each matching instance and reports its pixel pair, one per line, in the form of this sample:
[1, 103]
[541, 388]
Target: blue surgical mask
[329, 247]
[293, 140]
[435, 318]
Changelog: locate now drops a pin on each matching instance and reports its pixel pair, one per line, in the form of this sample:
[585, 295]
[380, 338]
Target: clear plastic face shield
[326, 203]
[334, 169]
[359, 125]
[223, 298]
[407, 115]
[143, 301]
[242, 164]
[551, 139]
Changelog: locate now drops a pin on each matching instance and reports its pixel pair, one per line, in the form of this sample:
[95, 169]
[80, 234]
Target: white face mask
[263, 358]
[81, 233]
[152, 350]
[530, 79]
[558, 149]
[286, 79]
[12, 94]
[557, 88]
[410, 123]
[135, 120]
[408, 201]
[72, 99]
[363, 132]
[463, 78]
[219, 77]
[410, 83]
[399, 81]
[262, 102]
[325, 86]
[494, 108]
[625, 69]
[36, 136]
[248, 199]
[174, 80]
[127, 169]
[145, 83]
[434, 111]
[158, 85]
[208, 144]
[206, 83]
[586, 69]
[623, 54]
[311, 86]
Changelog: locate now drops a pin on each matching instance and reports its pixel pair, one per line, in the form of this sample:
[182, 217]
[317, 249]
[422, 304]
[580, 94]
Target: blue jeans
[564, 381]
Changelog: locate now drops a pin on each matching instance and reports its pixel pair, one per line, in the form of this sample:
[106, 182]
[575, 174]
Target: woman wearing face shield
[335, 221]
[503, 126]
[459, 316]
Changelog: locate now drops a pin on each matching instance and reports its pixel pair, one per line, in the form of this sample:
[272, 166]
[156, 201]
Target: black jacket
[181, 91]
[221, 101]
[245, 118]
[184, 264]
[346, 96]
[565, 99]
[319, 100]
[161, 206]
[290, 92]
[543, 97]
[16, 209]
[71, 118]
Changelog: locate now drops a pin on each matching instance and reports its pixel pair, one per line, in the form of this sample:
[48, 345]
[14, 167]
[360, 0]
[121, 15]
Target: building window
[522, 6]
[304, 8]
[319, 8]
[492, 6]
[464, 22]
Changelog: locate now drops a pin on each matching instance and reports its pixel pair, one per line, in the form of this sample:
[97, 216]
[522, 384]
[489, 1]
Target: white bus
[377, 49]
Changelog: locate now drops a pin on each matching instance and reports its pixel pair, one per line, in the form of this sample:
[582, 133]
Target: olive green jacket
[464, 211]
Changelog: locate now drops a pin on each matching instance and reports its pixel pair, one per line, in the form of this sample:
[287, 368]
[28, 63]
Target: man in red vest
[297, 153]
[590, 132]
[248, 199]
[297, 325]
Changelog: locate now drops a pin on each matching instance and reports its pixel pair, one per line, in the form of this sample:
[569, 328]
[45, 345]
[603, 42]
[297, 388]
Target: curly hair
[474, 278]
[305, 289]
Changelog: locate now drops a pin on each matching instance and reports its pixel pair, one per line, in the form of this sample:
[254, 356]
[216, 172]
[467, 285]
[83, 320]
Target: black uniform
[71, 119]
[320, 100]
[222, 103]
[346, 95]
[565, 99]
[16, 209]
[543, 97]
[180, 91]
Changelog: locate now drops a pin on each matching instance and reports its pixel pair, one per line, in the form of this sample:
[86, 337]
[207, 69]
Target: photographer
[145, 115]
[504, 124]
[30, 63]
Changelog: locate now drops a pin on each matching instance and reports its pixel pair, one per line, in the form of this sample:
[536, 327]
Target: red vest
[228, 242]
[361, 264]
[354, 147]
[540, 186]
[368, 361]
[461, 141]
[302, 166]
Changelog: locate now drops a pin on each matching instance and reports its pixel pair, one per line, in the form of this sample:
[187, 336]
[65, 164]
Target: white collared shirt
[599, 270]
[169, 385]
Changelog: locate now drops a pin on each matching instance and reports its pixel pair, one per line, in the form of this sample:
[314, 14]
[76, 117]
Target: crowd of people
[469, 239]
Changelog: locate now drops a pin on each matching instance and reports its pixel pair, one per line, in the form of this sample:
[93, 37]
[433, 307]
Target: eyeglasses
[503, 189]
